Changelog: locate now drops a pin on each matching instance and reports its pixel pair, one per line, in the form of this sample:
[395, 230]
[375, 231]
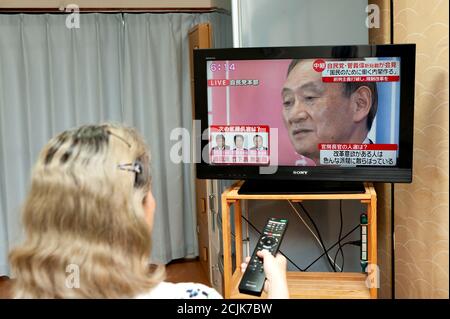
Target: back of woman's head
[85, 226]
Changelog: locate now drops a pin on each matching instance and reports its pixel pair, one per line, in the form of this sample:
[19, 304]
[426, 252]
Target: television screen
[325, 113]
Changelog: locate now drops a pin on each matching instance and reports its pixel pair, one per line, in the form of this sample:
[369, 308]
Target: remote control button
[268, 242]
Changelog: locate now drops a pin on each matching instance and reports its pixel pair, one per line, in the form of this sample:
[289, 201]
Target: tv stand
[316, 285]
[300, 187]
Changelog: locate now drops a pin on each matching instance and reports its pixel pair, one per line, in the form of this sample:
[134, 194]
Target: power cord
[339, 238]
[279, 250]
[318, 258]
[319, 236]
[318, 240]
[326, 251]
[332, 246]
[353, 242]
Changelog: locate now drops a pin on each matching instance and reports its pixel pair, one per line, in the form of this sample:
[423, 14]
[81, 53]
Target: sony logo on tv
[300, 172]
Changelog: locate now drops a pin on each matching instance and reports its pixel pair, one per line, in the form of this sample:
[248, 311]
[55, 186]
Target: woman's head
[89, 206]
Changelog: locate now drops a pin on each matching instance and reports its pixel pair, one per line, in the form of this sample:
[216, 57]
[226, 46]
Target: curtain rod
[115, 10]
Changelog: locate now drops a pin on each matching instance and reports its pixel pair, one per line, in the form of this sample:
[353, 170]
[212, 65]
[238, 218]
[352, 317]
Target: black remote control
[252, 282]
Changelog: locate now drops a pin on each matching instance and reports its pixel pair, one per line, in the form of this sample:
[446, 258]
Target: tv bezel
[402, 173]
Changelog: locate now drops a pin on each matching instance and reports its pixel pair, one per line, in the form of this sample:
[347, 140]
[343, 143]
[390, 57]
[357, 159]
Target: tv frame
[402, 173]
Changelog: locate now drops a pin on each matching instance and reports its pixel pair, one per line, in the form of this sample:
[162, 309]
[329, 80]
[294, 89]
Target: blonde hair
[84, 209]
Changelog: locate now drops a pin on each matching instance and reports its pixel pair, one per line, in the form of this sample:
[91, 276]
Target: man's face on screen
[219, 141]
[258, 141]
[314, 112]
[239, 142]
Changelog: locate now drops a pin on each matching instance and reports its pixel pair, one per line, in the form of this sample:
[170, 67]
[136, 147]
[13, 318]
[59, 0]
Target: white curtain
[130, 68]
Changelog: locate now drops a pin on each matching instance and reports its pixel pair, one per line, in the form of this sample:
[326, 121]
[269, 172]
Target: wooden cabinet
[317, 285]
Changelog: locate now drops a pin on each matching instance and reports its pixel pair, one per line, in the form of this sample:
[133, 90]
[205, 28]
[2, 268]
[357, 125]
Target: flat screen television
[316, 113]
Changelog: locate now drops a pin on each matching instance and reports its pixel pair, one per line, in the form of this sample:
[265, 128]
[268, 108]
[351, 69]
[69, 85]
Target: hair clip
[140, 179]
[131, 167]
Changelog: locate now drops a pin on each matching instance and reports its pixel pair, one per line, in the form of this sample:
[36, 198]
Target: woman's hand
[275, 269]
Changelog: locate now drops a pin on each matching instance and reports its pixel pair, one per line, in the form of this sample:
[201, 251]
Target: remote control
[252, 282]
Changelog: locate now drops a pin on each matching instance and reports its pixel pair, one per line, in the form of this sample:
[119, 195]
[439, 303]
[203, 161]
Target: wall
[421, 208]
[303, 22]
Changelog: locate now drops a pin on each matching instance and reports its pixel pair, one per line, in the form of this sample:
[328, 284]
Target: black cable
[339, 238]
[279, 250]
[325, 251]
[342, 255]
[352, 242]
[318, 235]
[331, 247]
[355, 243]
[318, 258]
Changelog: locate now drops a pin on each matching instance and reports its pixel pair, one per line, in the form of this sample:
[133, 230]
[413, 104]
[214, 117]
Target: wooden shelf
[316, 285]
[313, 285]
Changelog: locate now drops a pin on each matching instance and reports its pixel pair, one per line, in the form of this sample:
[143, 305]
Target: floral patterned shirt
[184, 290]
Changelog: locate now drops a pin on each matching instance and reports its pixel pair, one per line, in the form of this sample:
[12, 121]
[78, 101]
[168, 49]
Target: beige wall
[421, 208]
[223, 4]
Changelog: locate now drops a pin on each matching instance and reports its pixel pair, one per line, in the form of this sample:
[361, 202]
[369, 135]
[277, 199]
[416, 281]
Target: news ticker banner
[242, 144]
[358, 154]
[367, 70]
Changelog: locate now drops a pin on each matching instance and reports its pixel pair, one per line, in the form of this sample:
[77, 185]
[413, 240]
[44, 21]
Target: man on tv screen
[316, 112]
[239, 143]
[258, 142]
[220, 142]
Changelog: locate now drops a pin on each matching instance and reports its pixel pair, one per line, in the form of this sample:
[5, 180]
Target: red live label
[319, 65]
[219, 82]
